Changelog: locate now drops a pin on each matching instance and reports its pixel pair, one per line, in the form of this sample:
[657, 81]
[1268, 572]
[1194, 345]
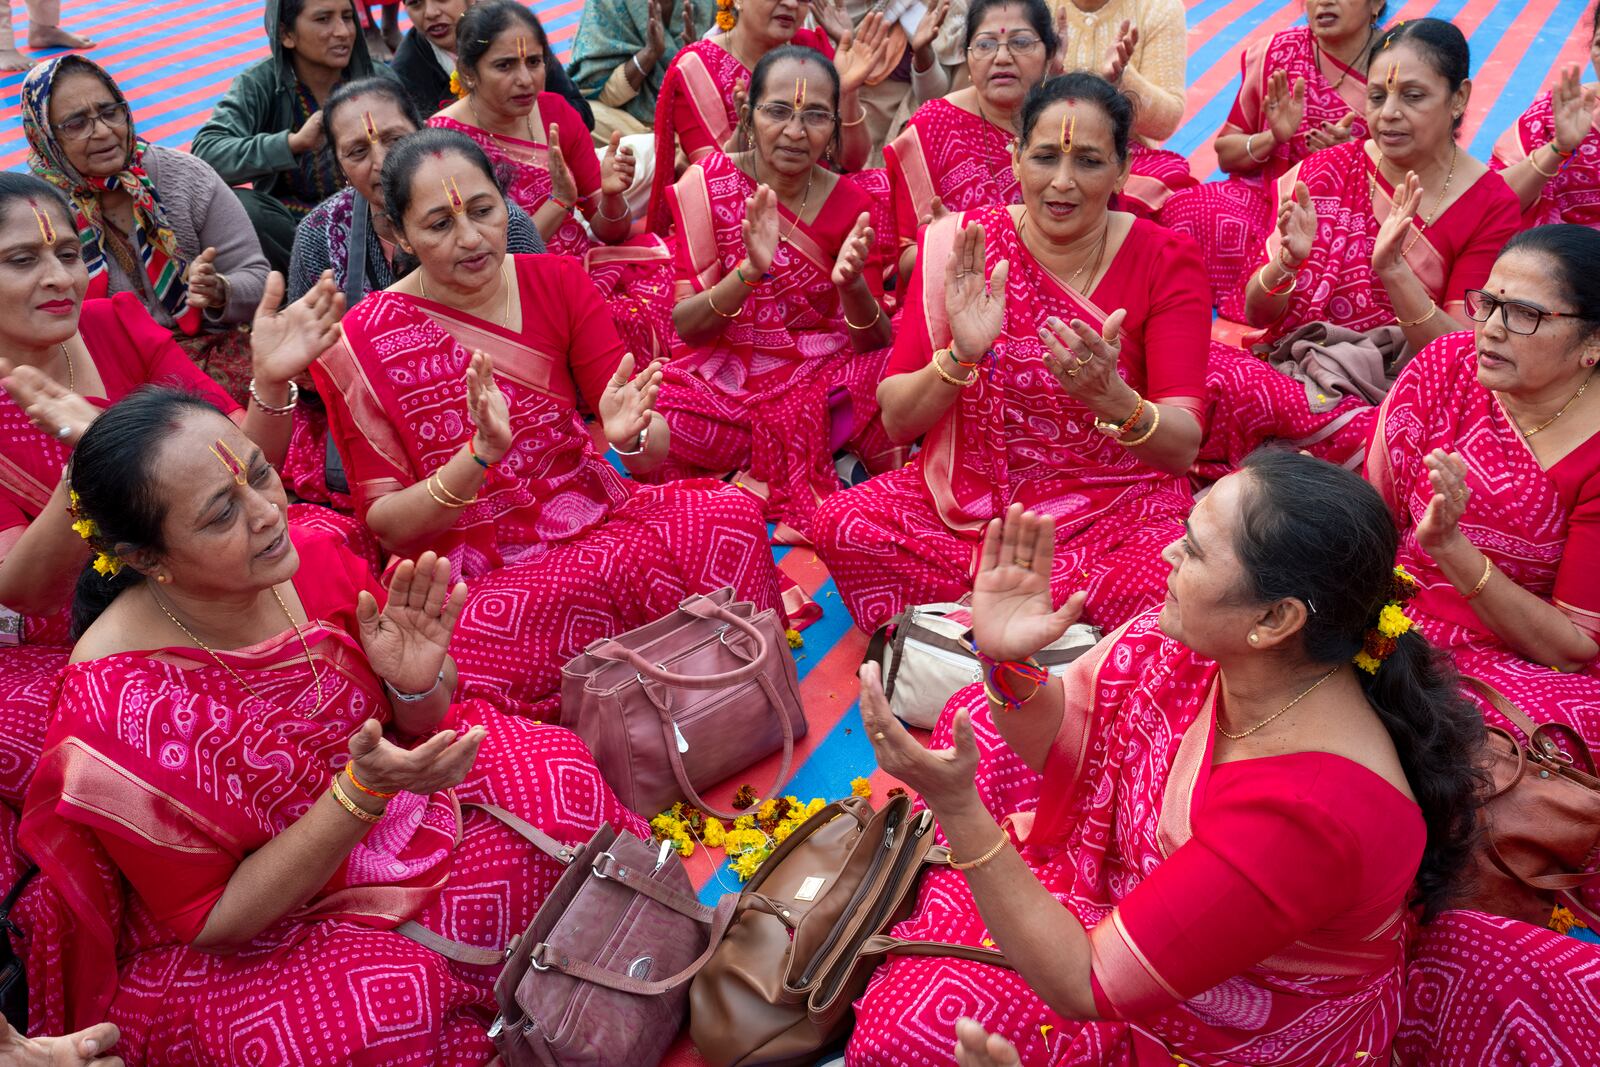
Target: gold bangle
[1534, 163]
[1155, 423]
[858, 121]
[440, 500]
[351, 806]
[950, 379]
[711, 302]
[461, 500]
[875, 307]
[1488, 570]
[1261, 279]
[999, 847]
[1433, 309]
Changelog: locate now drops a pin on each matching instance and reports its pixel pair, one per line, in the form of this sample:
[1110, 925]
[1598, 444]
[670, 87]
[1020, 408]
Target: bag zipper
[862, 887]
[885, 901]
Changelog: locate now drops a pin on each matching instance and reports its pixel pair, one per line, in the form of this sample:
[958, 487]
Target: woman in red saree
[65, 361]
[547, 164]
[238, 812]
[781, 340]
[956, 152]
[1301, 90]
[698, 108]
[1070, 382]
[1551, 157]
[453, 399]
[1383, 235]
[1229, 820]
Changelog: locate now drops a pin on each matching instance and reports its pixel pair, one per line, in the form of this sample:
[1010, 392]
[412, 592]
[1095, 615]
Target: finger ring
[63, 433]
[1025, 563]
[1458, 497]
[879, 736]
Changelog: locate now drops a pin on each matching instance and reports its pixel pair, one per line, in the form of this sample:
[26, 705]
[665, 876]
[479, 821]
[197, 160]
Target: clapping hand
[974, 302]
[563, 187]
[1572, 110]
[1084, 360]
[207, 288]
[406, 642]
[49, 405]
[1120, 52]
[741, 103]
[310, 137]
[628, 402]
[1328, 134]
[853, 253]
[81, 1049]
[832, 17]
[860, 51]
[488, 410]
[943, 778]
[284, 343]
[616, 167]
[760, 228]
[1388, 251]
[691, 32]
[1059, 56]
[1441, 522]
[1297, 227]
[1012, 613]
[1286, 106]
[928, 27]
[936, 211]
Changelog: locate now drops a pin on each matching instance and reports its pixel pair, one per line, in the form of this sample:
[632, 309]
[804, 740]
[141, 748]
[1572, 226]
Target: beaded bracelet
[472, 450]
[351, 806]
[1155, 424]
[280, 411]
[350, 771]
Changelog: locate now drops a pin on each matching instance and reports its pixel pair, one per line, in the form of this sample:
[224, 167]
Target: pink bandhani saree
[1231, 218]
[694, 113]
[1573, 195]
[634, 277]
[1247, 913]
[1251, 403]
[911, 536]
[1154, 175]
[164, 770]
[962, 158]
[783, 387]
[559, 549]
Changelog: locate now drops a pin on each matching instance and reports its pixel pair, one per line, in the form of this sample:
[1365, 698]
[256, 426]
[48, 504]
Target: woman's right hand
[760, 228]
[928, 27]
[1297, 226]
[974, 303]
[1571, 112]
[859, 52]
[49, 405]
[1286, 107]
[976, 1047]
[1440, 524]
[1120, 51]
[1012, 616]
[440, 762]
[562, 185]
[487, 408]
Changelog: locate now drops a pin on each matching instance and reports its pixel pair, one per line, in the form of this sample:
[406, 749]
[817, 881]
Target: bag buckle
[537, 956]
[603, 863]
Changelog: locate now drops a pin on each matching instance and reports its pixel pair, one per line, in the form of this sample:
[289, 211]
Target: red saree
[694, 112]
[783, 387]
[1231, 218]
[559, 549]
[1573, 195]
[635, 277]
[1251, 912]
[1540, 526]
[1251, 402]
[165, 770]
[911, 536]
[962, 158]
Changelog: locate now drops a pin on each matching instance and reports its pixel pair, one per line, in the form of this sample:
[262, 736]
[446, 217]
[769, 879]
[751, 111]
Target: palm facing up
[406, 642]
[1012, 615]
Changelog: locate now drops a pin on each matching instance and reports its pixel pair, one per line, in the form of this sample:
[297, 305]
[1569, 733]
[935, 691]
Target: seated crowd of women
[289, 568]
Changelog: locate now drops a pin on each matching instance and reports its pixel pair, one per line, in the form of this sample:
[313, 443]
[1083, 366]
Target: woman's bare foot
[56, 37]
[13, 60]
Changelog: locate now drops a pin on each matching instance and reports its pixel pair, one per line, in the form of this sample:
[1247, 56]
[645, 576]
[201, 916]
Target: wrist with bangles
[969, 865]
[414, 698]
[641, 443]
[1488, 572]
[283, 410]
[600, 210]
[442, 495]
[1001, 678]
[1561, 160]
[877, 309]
[349, 805]
[950, 379]
[1290, 282]
[1253, 157]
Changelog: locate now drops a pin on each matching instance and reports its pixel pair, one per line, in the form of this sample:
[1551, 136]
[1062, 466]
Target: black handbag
[13, 982]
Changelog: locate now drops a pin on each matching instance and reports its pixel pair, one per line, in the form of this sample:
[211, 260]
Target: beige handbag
[924, 658]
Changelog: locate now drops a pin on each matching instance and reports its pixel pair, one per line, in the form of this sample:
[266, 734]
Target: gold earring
[1254, 637]
[163, 579]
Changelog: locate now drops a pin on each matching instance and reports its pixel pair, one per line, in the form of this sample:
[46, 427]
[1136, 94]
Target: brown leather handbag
[1541, 821]
[599, 978]
[809, 929]
[685, 702]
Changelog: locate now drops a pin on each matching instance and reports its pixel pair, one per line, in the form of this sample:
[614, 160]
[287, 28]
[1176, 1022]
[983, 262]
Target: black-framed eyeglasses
[1018, 44]
[812, 118]
[79, 127]
[1517, 316]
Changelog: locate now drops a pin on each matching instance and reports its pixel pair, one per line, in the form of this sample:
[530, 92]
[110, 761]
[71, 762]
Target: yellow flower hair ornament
[1393, 623]
[726, 17]
[456, 89]
[106, 564]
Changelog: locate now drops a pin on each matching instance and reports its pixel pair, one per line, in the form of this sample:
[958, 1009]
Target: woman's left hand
[1084, 360]
[944, 778]
[853, 254]
[616, 167]
[976, 1047]
[1120, 52]
[49, 405]
[629, 401]
[563, 187]
[283, 343]
[859, 51]
[1329, 134]
[1388, 252]
[207, 288]
[1441, 522]
[406, 642]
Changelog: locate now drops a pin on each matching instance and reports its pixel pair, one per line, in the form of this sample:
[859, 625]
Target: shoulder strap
[545, 956]
[355, 270]
[883, 944]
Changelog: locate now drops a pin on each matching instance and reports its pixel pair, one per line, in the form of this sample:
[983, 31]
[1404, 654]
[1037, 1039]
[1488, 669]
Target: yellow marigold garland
[1393, 622]
[726, 17]
[106, 564]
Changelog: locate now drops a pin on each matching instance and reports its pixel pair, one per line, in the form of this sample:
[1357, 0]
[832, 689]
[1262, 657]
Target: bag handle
[884, 945]
[1549, 882]
[562, 854]
[546, 957]
[669, 736]
[704, 608]
[1537, 733]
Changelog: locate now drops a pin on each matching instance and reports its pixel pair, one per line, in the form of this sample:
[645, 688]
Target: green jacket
[246, 139]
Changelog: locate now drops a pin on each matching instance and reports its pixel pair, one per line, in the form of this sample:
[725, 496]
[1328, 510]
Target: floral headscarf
[153, 238]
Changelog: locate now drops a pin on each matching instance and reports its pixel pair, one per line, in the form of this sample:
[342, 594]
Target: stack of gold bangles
[436, 487]
[950, 379]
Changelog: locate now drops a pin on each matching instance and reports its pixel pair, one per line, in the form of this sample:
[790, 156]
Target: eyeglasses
[1018, 44]
[79, 127]
[1515, 315]
[812, 118]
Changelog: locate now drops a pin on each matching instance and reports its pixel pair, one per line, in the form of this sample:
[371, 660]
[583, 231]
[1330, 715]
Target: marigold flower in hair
[726, 17]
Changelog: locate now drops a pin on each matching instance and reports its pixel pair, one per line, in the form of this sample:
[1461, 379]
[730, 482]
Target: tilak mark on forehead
[1394, 77]
[229, 459]
[47, 230]
[452, 193]
[1069, 130]
[372, 127]
[522, 47]
[800, 94]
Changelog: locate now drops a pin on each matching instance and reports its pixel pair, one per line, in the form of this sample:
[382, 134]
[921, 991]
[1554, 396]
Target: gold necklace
[1529, 433]
[472, 105]
[190, 634]
[72, 377]
[1438, 205]
[505, 312]
[1240, 737]
[1100, 250]
[755, 165]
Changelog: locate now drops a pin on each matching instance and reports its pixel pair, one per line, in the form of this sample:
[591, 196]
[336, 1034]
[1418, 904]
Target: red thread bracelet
[350, 772]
